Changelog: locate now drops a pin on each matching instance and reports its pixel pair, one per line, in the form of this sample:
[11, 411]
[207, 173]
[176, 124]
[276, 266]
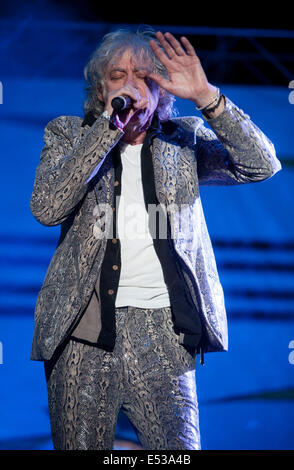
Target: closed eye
[116, 76]
[141, 74]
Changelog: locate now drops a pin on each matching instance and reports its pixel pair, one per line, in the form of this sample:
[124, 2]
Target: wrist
[216, 109]
[205, 97]
[114, 119]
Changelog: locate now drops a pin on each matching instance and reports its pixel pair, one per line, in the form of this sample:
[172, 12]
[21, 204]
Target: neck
[135, 132]
[134, 138]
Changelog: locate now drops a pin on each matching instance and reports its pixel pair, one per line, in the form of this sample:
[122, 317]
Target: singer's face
[128, 75]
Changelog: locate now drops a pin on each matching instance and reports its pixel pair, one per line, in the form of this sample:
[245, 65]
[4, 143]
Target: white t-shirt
[141, 282]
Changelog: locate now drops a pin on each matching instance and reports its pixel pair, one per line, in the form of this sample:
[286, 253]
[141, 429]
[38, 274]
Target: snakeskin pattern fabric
[75, 179]
[149, 375]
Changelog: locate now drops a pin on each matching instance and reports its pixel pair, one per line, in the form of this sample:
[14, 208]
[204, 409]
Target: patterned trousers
[149, 376]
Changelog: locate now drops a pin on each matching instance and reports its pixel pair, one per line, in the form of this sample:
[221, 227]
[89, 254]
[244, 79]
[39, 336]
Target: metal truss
[229, 55]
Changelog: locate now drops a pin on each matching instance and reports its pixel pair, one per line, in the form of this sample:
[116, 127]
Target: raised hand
[187, 78]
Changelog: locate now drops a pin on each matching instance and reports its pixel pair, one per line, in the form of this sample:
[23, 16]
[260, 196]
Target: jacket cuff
[229, 113]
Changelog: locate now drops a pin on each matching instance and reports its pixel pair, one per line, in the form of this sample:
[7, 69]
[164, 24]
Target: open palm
[187, 78]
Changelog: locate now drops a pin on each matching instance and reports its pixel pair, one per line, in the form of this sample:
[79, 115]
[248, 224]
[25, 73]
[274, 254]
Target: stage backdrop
[246, 396]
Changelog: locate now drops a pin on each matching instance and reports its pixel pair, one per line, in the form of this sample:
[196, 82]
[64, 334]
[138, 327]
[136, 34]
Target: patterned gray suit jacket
[75, 178]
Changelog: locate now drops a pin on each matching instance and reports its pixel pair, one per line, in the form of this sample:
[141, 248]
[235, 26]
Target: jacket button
[114, 241]
[115, 267]
[110, 291]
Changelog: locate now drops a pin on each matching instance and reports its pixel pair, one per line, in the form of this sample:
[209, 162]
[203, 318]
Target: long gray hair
[113, 45]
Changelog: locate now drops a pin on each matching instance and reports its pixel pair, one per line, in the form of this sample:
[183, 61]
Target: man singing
[132, 295]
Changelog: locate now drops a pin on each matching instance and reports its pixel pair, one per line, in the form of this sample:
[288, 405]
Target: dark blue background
[246, 396]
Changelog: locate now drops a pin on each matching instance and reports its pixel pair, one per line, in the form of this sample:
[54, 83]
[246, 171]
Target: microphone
[121, 102]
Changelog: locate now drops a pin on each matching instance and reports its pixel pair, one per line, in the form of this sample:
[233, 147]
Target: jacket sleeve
[234, 151]
[65, 169]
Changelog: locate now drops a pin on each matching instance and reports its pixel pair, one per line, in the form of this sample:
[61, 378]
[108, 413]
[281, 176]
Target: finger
[160, 80]
[188, 46]
[166, 45]
[141, 104]
[132, 92]
[159, 53]
[177, 48]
